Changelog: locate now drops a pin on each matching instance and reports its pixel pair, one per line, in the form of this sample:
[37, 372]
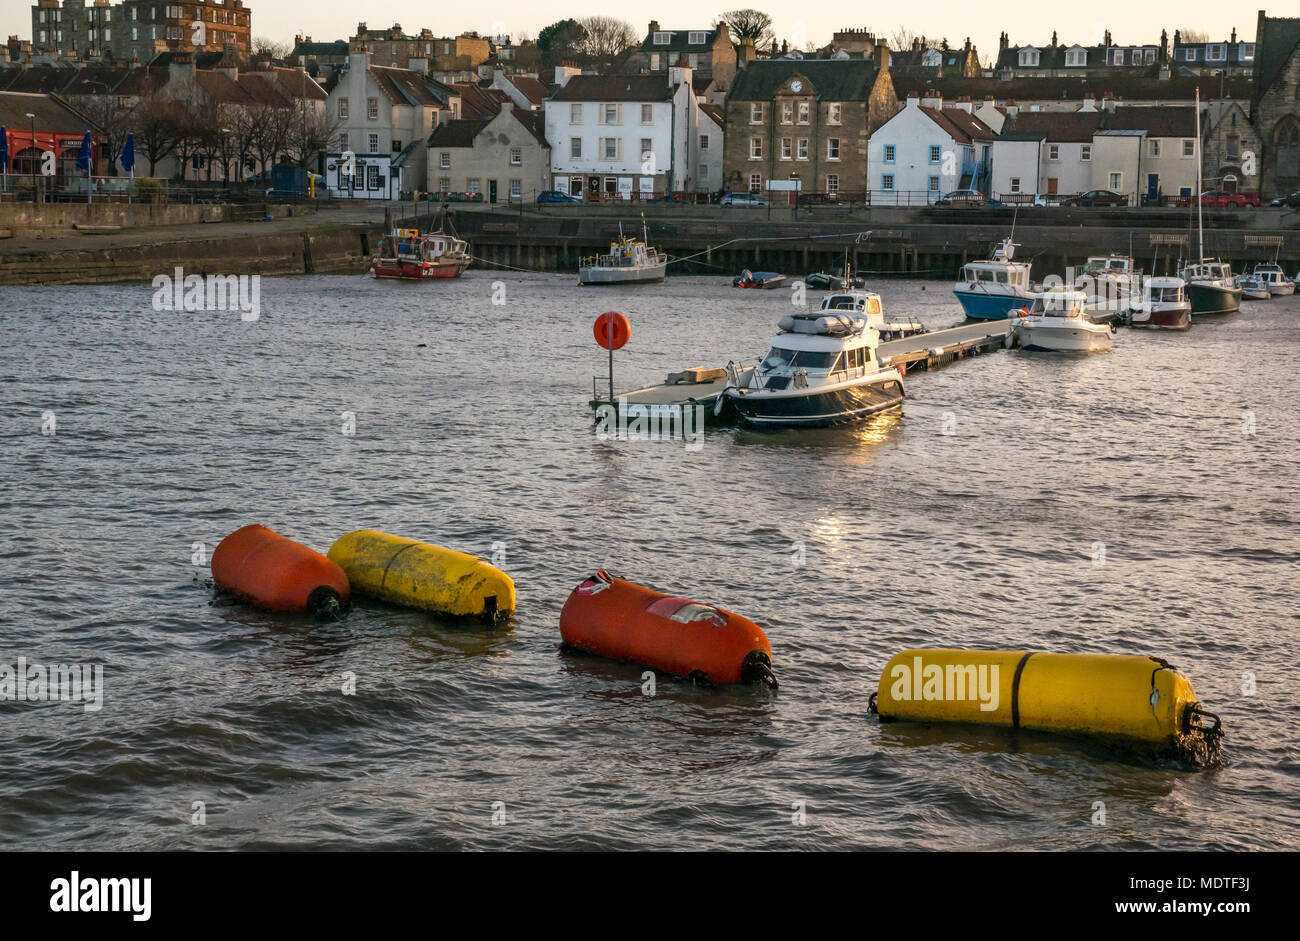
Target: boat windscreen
[808, 359]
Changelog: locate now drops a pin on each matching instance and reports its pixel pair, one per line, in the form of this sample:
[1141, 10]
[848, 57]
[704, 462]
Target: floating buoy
[279, 574]
[422, 576]
[611, 617]
[1141, 699]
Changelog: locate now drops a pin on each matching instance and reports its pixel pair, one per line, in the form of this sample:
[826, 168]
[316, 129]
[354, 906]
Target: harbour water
[1144, 501]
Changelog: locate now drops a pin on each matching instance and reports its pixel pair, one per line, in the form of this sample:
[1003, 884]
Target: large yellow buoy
[422, 576]
[1141, 699]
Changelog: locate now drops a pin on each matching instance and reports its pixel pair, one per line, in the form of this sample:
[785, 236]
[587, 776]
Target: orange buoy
[612, 617]
[279, 574]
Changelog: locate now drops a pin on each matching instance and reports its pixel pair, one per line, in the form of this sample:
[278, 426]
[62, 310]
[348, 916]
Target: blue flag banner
[83, 156]
[4, 149]
[128, 153]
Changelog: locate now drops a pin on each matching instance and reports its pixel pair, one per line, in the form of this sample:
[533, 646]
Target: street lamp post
[33, 119]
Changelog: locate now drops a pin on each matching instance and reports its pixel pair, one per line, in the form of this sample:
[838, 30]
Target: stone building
[395, 49]
[1275, 107]
[708, 53]
[806, 119]
[504, 159]
[139, 29]
[1230, 148]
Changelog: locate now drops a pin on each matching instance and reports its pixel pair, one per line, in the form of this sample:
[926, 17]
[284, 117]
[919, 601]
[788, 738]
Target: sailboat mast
[1200, 222]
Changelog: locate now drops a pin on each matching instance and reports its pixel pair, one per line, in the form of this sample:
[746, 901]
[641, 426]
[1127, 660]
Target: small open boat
[765, 280]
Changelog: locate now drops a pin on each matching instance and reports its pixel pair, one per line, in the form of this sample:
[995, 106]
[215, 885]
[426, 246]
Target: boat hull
[1213, 299]
[1179, 318]
[1282, 290]
[982, 306]
[641, 275]
[1042, 339]
[416, 271]
[817, 409]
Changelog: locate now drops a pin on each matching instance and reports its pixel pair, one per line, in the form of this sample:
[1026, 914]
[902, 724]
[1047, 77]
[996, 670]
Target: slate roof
[1278, 39]
[458, 133]
[53, 115]
[678, 40]
[407, 87]
[1057, 126]
[1157, 122]
[477, 101]
[713, 111]
[614, 88]
[959, 124]
[832, 79]
[1075, 87]
[338, 47]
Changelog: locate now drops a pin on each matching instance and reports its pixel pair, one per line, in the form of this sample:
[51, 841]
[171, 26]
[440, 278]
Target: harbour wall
[927, 244]
[22, 220]
[332, 250]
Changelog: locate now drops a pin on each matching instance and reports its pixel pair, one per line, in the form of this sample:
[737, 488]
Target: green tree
[560, 41]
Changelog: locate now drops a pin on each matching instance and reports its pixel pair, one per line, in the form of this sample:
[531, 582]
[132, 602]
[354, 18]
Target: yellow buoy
[422, 576]
[1143, 699]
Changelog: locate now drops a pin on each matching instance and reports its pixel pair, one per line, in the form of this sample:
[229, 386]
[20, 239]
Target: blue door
[1153, 187]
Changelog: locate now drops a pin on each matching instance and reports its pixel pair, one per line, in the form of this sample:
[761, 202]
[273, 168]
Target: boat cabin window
[1166, 294]
[1001, 277]
[873, 305]
[804, 359]
[842, 302]
[986, 275]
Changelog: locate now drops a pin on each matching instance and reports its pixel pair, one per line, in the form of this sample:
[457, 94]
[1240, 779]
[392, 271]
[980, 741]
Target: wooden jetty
[703, 385]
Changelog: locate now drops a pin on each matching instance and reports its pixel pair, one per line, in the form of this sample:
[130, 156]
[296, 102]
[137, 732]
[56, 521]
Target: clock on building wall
[796, 86]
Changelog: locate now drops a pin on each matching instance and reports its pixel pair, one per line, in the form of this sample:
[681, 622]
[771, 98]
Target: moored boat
[822, 370]
[992, 288]
[1274, 278]
[1252, 288]
[1211, 288]
[1057, 323]
[1109, 282]
[628, 261]
[763, 280]
[866, 303]
[1162, 304]
[414, 256]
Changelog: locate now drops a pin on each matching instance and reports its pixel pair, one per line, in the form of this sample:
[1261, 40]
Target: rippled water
[472, 429]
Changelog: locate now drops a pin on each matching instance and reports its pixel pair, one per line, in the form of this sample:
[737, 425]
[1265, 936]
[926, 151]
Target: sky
[799, 22]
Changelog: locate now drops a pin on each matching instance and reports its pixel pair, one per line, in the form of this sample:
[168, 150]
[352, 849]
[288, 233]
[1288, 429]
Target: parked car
[743, 199]
[1096, 198]
[822, 199]
[1292, 200]
[962, 198]
[555, 196]
[1219, 199]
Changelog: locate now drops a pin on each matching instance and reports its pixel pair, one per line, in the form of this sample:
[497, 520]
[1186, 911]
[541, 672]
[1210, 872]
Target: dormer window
[1116, 56]
[1246, 52]
[662, 39]
[696, 38]
[1029, 57]
[1216, 52]
[1076, 58]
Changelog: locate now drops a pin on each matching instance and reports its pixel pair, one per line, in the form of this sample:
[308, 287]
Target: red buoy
[265, 568]
[612, 330]
[612, 617]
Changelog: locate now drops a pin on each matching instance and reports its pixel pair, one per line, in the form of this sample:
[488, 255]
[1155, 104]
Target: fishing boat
[828, 280]
[1162, 304]
[628, 261]
[1108, 281]
[414, 256]
[822, 370]
[762, 280]
[1274, 278]
[1211, 288]
[1252, 288]
[1057, 322]
[992, 288]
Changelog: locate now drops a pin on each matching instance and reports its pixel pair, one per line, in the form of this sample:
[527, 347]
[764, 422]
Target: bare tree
[266, 46]
[311, 134]
[606, 36]
[154, 123]
[114, 116]
[1193, 35]
[749, 24]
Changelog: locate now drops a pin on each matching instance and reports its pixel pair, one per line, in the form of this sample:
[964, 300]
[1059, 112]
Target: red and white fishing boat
[408, 254]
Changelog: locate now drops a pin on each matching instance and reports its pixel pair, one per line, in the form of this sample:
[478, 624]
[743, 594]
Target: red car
[1219, 199]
